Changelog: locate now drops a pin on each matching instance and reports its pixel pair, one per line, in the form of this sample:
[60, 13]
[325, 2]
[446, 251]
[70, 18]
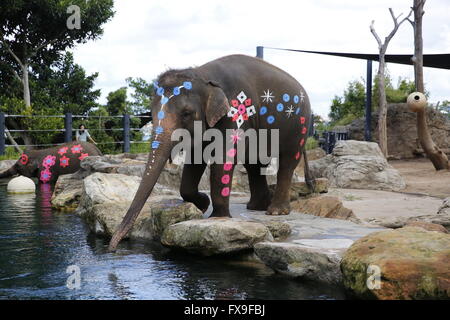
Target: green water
[37, 245]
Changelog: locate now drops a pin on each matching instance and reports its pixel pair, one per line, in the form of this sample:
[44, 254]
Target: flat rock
[324, 206]
[358, 165]
[300, 188]
[413, 262]
[215, 235]
[298, 261]
[278, 229]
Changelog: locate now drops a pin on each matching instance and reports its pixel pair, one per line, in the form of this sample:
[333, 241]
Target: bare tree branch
[372, 29]
[11, 52]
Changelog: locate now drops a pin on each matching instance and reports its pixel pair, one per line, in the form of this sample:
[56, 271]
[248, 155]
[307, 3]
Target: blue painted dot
[155, 144]
[164, 100]
[161, 115]
[176, 91]
[286, 97]
[263, 110]
[298, 111]
[187, 85]
[160, 91]
[159, 130]
[280, 107]
[296, 99]
[270, 119]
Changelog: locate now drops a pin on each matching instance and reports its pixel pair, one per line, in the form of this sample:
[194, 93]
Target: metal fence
[329, 139]
[68, 129]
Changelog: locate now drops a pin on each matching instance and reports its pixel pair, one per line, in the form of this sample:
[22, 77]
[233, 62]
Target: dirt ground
[421, 177]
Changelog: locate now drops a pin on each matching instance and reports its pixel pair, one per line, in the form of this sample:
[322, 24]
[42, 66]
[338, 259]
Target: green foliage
[10, 154]
[311, 143]
[350, 106]
[142, 95]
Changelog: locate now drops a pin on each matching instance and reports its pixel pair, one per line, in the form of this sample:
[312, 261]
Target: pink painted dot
[242, 109]
[226, 179]
[297, 156]
[231, 153]
[226, 192]
[228, 166]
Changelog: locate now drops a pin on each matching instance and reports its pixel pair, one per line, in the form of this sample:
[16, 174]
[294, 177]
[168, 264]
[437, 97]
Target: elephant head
[26, 166]
[183, 97]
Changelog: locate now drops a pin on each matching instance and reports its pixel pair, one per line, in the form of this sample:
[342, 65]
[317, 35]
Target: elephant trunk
[155, 165]
[8, 173]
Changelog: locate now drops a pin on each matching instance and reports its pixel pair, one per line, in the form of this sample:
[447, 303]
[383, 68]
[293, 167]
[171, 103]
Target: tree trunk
[26, 85]
[436, 156]
[382, 112]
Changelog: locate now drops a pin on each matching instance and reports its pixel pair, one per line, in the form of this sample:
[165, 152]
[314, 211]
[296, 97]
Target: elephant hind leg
[192, 173]
[280, 204]
[260, 195]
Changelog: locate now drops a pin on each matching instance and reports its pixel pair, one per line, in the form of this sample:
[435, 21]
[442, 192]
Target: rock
[445, 208]
[427, 226]
[6, 164]
[402, 130]
[357, 165]
[21, 185]
[414, 264]
[169, 212]
[215, 235]
[278, 229]
[314, 154]
[324, 206]
[297, 261]
[301, 189]
[442, 219]
[100, 188]
[67, 193]
[125, 163]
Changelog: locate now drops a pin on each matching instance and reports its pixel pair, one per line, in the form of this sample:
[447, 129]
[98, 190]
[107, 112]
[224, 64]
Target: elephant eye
[186, 113]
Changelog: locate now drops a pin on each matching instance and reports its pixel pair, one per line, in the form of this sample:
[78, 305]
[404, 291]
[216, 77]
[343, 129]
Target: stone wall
[402, 130]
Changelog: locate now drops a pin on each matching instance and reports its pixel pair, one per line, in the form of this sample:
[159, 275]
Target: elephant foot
[279, 209]
[220, 214]
[201, 200]
[258, 205]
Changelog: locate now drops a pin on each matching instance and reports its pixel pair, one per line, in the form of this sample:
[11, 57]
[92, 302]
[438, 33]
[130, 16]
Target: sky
[146, 38]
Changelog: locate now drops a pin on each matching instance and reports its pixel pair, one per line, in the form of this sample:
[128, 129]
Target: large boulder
[406, 263]
[324, 206]
[6, 164]
[445, 207]
[215, 235]
[297, 261]
[402, 130]
[67, 193]
[358, 165]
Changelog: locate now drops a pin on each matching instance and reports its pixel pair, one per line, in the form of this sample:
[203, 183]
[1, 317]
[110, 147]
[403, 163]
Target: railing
[329, 139]
[68, 129]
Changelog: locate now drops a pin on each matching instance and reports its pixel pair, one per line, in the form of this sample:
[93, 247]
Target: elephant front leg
[281, 199]
[221, 180]
[192, 173]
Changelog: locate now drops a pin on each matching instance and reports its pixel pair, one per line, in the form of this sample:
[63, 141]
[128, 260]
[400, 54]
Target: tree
[142, 95]
[437, 157]
[382, 47]
[36, 32]
[349, 107]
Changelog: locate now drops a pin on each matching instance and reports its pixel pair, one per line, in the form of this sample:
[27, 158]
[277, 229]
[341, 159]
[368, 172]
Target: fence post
[368, 109]
[126, 133]
[311, 126]
[260, 52]
[68, 127]
[2, 133]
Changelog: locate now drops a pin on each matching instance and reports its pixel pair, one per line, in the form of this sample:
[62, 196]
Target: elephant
[233, 93]
[48, 164]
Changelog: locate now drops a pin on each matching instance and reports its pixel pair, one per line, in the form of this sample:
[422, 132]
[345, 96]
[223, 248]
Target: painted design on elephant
[241, 109]
[49, 161]
[83, 155]
[76, 149]
[297, 155]
[24, 159]
[290, 111]
[159, 129]
[236, 136]
[63, 151]
[46, 175]
[64, 162]
[268, 96]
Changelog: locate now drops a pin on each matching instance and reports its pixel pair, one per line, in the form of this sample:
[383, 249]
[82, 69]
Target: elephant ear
[217, 105]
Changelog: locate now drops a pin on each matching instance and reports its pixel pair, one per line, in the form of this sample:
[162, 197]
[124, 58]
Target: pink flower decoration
[228, 166]
[297, 156]
[83, 155]
[226, 179]
[234, 103]
[231, 153]
[76, 149]
[226, 192]
[24, 159]
[64, 162]
[248, 102]
[236, 136]
[49, 161]
[63, 150]
[46, 175]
